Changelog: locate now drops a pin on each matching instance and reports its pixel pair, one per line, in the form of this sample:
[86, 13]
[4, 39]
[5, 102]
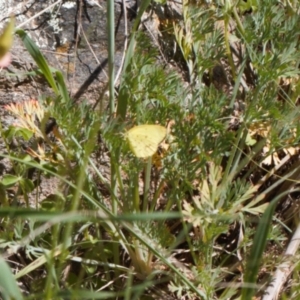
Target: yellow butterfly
[6, 38]
[145, 139]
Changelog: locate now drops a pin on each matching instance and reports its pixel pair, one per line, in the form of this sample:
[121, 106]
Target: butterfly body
[145, 139]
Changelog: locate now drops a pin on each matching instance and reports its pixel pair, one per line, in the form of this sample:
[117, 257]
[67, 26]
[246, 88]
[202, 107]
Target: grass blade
[62, 87]
[8, 286]
[258, 247]
[38, 57]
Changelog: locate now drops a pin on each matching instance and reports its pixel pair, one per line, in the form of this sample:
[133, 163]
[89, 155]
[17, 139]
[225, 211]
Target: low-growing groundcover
[211, 213]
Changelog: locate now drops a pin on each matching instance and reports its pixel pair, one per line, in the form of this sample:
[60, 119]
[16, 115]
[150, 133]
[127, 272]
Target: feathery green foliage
[195, 220]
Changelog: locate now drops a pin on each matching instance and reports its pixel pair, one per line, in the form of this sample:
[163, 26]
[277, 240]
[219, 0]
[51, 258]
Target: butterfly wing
[145, 139]
[6, 38]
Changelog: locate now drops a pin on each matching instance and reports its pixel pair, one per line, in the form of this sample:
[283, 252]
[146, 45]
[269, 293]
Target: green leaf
[14, 131]
[246, 6]
[62, 87]
[27, 185]
[250, 141]
[8, 285]
[25, 133]
[52, 203]
[37, 55]
[10, 180]
[256, 210]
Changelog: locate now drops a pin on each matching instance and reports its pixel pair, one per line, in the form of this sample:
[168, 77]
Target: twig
[38, 14]
[90, 47]
[284, 269]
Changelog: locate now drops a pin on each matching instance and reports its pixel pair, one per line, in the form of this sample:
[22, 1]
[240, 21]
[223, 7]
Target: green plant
[195, 218]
